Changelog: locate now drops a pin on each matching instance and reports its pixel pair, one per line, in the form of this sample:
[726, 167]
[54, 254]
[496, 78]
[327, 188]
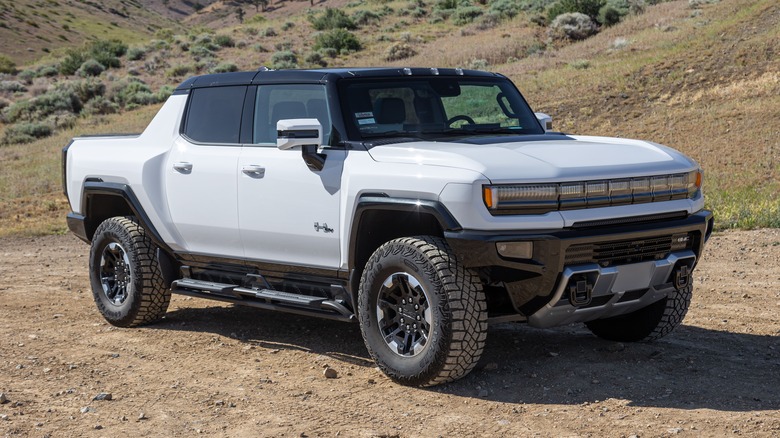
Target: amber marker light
[487, 194]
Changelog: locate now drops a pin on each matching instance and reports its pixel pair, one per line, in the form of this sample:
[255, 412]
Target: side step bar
[264, 299]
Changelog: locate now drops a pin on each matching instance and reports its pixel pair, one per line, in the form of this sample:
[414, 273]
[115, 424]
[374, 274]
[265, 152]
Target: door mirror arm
[312, 158]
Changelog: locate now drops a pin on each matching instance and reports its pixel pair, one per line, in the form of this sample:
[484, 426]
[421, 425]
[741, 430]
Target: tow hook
[682, 277]
[580, 292]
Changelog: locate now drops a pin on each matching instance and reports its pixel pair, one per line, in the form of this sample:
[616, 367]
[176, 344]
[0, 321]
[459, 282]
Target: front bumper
[538, 283]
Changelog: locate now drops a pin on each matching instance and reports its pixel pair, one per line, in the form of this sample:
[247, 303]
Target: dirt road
[221, 370]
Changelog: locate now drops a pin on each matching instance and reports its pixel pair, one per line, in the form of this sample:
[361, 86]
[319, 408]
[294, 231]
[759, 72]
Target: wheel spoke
[115, 273]
[403, 314]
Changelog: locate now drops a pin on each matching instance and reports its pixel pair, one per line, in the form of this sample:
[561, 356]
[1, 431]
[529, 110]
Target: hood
[560, 158]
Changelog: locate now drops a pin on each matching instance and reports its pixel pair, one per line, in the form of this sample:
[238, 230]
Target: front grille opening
[628, 251]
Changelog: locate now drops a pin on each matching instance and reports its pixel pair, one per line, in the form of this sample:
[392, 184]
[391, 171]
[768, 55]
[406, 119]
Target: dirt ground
[221, 370]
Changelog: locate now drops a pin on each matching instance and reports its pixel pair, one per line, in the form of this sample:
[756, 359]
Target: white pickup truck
[423, 203]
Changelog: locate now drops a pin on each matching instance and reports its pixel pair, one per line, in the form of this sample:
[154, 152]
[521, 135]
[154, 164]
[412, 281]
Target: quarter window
[214, 114]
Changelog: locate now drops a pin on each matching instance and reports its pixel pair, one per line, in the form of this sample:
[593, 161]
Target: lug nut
[402, 320]
[416, 307]
[407, 326]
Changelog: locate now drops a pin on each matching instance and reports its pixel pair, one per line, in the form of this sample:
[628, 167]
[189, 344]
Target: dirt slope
[233, 371]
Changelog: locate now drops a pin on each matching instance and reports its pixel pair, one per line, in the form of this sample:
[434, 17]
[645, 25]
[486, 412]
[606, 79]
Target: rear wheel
[422, 315]
[646, 324]
[126, 280]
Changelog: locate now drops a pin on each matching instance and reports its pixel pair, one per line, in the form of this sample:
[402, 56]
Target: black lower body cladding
[531, 283]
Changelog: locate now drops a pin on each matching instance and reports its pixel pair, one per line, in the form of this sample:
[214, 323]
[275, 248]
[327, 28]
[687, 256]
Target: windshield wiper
[471, 131]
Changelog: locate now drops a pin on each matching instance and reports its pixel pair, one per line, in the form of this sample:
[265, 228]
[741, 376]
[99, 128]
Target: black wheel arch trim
[121, 190]
[381, 201]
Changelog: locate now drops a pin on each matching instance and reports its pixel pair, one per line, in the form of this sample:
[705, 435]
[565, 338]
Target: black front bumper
[537, 278]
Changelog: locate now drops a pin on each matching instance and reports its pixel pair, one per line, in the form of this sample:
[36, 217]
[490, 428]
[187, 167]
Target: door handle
[254, 170]
[183, 167]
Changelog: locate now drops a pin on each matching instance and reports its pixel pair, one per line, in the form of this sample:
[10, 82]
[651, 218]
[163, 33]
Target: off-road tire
[146, 298]
[458, 311]
[648, 323]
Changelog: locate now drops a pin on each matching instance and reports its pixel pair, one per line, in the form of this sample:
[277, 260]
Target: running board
[264, 299]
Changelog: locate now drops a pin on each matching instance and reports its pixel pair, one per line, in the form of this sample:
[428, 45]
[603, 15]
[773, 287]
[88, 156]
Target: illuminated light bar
[544, 198]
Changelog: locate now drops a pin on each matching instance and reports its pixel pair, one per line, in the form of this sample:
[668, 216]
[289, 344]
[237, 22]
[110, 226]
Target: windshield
[436, 107]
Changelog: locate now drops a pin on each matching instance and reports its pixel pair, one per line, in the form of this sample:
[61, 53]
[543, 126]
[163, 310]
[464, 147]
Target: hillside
[700, 75]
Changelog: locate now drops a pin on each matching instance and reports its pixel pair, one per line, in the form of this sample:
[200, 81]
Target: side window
[279, 102]
[214, 114]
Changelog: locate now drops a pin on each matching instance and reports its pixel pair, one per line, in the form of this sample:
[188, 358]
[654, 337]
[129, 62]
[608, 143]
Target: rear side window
[214, 114]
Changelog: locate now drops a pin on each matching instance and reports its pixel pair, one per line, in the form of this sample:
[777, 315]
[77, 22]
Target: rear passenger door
[289, 214]
[201, 172]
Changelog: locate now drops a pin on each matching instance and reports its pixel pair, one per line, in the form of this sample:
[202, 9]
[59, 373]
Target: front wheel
[648, 323]
[127, 283]
[423, 315]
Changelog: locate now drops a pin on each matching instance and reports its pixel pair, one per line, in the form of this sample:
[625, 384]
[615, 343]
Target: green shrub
[107, 52]
[466, 14]
[259, 48]
[269, 32]
[99, 105]
[364, 17]
[34, 109]
[339, 39]
[287, 25]
[83, 90]
[72, 61]
[224, 67]
[332, 19]
[315, 58]
[158, 45]
[164, 93]
[7, 66]
[489, 20]
[572, 25]
[506, 8]
[446, 4]
[330, 52]
[12, 87]
[224, 41]
[131, 93]
[199, 52]
[48, 71]
[399, 50]
[284, 60]
[136, 53]
[588, 7]
[27, 76]
[478, 64]
[180, 70]
[90, 67]
[535, 6]
[26, 132]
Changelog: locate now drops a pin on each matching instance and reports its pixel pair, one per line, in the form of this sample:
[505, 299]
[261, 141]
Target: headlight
[543, 198]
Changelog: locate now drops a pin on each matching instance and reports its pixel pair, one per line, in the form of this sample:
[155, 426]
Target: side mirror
[298, 132]
[306, 133]
[545, 120]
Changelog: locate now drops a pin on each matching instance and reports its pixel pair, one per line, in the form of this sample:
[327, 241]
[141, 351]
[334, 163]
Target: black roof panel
[319, 75]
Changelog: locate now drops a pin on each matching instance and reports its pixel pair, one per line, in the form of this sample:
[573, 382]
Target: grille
[628, 251]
